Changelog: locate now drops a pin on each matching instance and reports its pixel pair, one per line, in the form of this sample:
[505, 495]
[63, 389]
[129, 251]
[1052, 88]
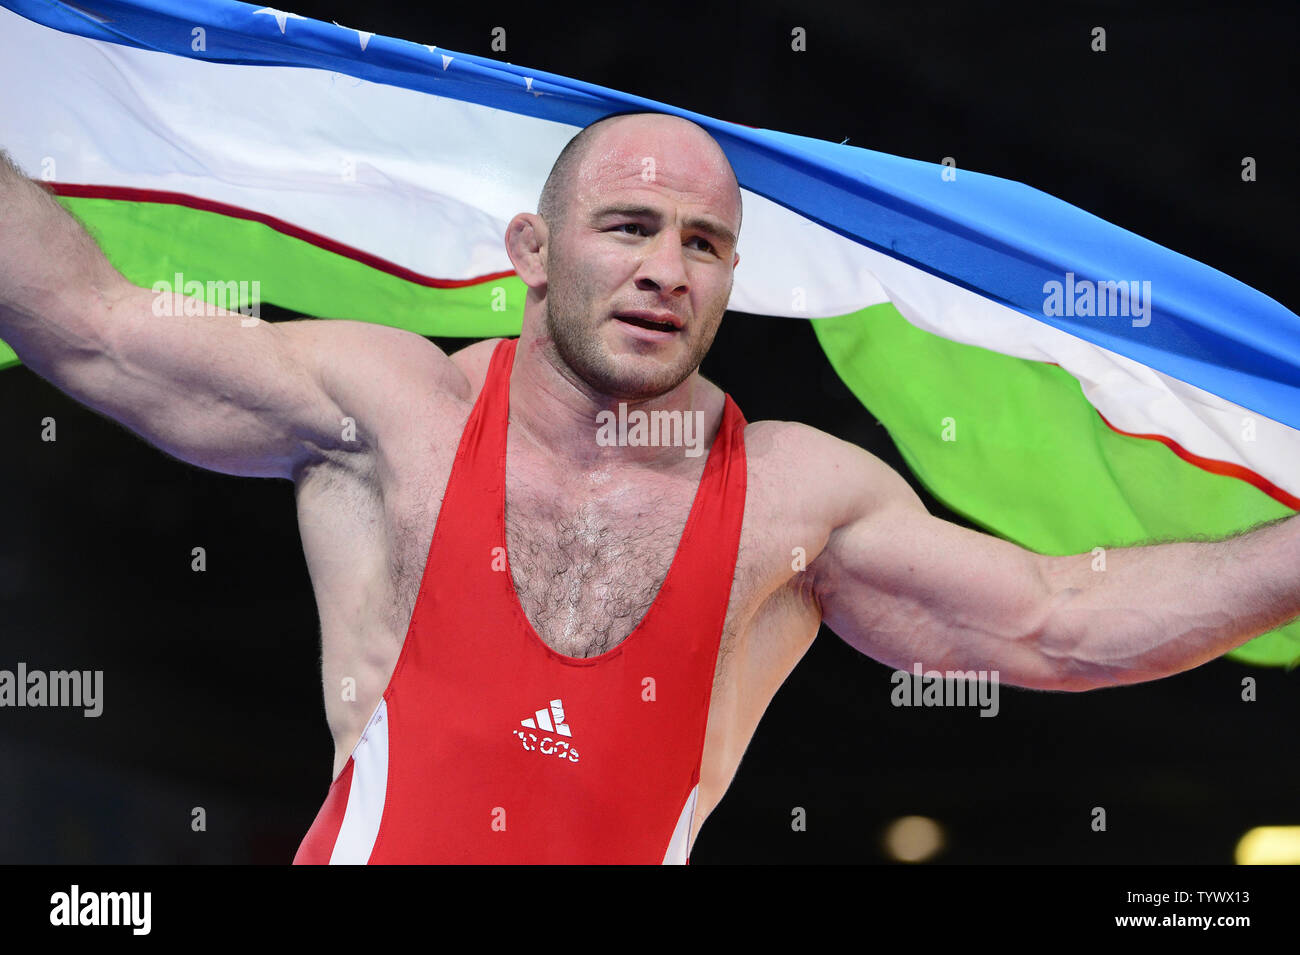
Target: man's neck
[565, 417]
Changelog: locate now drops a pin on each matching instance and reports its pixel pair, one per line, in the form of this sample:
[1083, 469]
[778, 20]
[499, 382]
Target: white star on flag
[365, 37]
[280, 16]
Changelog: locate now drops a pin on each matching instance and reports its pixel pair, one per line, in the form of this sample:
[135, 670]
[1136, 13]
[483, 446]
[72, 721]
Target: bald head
[557, 193]
[629, 259]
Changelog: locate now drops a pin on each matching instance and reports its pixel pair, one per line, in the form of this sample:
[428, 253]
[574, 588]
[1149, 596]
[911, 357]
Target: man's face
[648, 238]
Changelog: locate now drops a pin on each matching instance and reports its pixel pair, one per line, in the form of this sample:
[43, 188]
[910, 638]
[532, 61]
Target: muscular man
[572, 667]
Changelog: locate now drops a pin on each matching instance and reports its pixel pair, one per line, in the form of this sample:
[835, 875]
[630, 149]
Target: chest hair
[587, 571]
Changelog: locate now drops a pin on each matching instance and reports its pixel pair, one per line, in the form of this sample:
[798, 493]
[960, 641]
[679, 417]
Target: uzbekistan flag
[1058, 381]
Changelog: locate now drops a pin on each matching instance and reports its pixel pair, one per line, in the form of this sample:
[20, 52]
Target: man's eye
[629, 225]
[707, 244]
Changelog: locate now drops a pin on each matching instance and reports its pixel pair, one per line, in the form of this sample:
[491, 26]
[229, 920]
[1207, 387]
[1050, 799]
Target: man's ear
[527, 239]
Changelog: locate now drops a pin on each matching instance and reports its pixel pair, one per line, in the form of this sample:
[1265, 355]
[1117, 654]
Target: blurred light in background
[1270, 845]
[913, 839]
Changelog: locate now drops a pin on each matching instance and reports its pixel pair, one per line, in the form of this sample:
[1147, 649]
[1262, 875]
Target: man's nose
[664, 267]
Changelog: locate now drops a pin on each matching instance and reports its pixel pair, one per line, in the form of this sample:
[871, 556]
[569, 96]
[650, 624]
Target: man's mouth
[655, 321]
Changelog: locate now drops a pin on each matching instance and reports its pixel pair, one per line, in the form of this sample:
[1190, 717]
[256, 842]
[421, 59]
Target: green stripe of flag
[150, 241]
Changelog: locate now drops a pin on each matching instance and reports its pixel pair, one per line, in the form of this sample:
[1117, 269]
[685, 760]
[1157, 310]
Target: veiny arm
[1161, 609]
[905, 587]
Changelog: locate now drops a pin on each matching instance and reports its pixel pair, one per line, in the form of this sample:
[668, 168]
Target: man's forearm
[1160, 609]
[54, 279]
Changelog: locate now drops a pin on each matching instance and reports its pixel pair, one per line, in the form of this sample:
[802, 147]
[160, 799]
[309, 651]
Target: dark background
[212, 686]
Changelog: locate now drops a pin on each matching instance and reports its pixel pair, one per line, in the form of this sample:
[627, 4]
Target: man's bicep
[243, 396]
[216, 389]
[905, 587]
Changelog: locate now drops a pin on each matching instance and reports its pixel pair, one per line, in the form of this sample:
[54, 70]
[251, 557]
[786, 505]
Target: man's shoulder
[357, 355]
[808, 467]
[473, 361]
[788, 442]
[783, 459]
[385, 378]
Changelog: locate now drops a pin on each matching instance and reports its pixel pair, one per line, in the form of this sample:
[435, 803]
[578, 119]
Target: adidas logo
[544, 720]
[548, 720]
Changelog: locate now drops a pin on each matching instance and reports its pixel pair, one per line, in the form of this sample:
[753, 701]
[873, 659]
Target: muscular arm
[905, 587]
[216, 389]
[1164, 608]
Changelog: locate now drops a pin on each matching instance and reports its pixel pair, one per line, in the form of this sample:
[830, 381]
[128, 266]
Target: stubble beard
[579, 346]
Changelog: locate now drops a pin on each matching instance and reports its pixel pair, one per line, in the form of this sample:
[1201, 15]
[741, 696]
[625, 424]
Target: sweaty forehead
[676, 157]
